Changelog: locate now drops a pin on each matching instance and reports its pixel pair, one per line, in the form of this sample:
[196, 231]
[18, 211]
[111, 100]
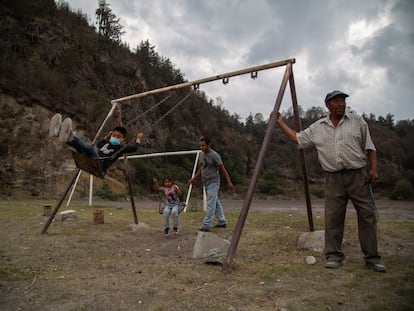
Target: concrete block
[314, 241]
[210, 247]
[68, 214]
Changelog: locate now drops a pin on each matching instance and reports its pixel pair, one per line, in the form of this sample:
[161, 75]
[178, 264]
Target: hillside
[54, 61]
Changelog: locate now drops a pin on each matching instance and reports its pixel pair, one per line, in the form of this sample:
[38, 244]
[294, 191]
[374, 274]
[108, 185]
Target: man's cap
[333, 94]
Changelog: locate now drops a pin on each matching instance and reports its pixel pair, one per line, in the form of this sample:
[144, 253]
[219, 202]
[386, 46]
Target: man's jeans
[214, 207]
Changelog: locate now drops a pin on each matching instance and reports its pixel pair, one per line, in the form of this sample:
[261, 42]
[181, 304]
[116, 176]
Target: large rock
[314, 241]
[210, 248]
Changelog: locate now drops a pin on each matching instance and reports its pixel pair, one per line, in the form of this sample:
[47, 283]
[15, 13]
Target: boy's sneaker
[166, 230]
[175, 230]
[66, 132]
[55, 125]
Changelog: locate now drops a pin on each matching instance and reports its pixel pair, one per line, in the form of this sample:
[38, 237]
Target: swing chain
[172, 109]
[151, 108]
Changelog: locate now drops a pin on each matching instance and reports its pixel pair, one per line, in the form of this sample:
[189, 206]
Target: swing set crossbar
[158, 154]
[196, 83]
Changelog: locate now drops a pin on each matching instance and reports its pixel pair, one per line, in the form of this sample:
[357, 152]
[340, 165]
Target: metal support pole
[90, 189]
[190, 187]
[131, 195]
[126, 172]
[55, 210]
[252, 187]
[73, 188]
[301, 152]
[98, 133]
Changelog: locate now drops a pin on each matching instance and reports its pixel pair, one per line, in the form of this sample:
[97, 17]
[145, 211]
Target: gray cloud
[364, 48]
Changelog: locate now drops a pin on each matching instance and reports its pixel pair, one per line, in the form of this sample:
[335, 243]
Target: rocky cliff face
[28, 162]
[53, 63]
[34, 164]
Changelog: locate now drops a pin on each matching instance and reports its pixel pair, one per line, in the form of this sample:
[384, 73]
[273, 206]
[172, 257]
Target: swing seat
[88, 164]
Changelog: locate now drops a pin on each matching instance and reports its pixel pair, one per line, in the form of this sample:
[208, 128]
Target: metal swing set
[92, 165]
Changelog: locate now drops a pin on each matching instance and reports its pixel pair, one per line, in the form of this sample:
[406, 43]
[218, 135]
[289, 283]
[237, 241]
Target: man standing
[210, 164]
[344, 146]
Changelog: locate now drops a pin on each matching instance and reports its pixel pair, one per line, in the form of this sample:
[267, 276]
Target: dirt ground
[387, 209]
[79, 265]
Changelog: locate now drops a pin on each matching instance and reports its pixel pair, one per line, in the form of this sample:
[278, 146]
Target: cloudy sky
[364, 48]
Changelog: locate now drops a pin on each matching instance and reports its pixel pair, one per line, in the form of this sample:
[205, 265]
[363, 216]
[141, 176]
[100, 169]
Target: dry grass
[82, 266]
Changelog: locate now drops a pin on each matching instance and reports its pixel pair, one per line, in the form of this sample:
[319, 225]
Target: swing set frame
[91, 167]
[253, 71]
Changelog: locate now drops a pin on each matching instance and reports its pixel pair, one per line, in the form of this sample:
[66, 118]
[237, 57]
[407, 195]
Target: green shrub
[269, 183]
[403, 190]
[105, 192]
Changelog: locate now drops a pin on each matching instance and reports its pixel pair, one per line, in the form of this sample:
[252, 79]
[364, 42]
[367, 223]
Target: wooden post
[98, 216]
[47, 210]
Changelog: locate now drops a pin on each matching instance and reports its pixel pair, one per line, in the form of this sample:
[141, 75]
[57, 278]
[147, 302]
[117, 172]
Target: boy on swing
[172, 194]
[110, 148]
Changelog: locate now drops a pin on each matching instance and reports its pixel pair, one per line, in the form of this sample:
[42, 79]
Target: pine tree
[108, 23]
